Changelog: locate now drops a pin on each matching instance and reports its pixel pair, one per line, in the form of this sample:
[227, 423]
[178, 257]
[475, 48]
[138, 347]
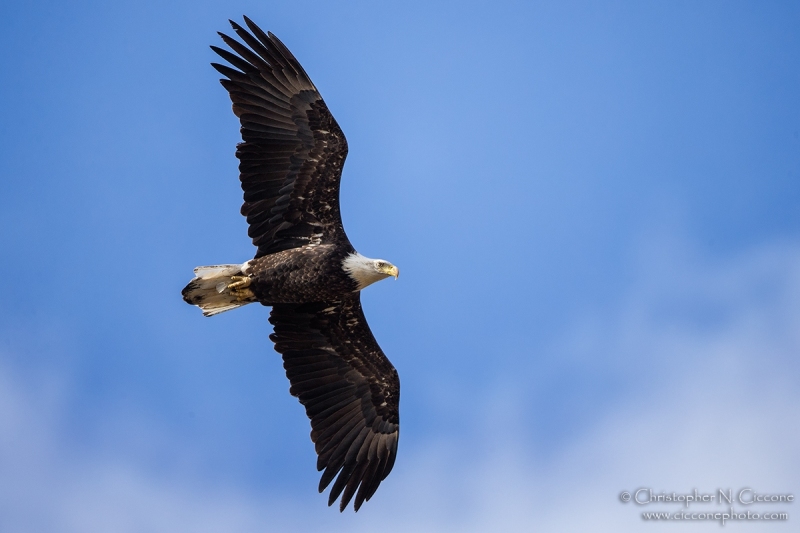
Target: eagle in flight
[305, 268]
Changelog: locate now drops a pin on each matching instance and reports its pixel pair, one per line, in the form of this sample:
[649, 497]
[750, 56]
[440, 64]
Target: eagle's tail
[209, 289]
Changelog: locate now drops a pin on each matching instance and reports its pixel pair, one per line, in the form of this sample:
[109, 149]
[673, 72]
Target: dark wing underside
[350, 391]
[293, 151]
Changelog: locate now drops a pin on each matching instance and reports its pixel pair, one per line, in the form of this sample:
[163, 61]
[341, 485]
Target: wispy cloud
[705, 356]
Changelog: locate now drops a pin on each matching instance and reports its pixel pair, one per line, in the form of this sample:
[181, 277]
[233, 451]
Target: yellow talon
[243, 294]
[241, 282]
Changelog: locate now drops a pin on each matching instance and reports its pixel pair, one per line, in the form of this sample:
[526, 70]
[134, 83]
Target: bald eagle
[290, 166]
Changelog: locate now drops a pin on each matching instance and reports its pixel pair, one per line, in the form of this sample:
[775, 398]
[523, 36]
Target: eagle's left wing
[349, 388]
[290, 163]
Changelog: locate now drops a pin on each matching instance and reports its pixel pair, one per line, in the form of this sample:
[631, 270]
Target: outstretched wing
[350, 391]
[290, 162]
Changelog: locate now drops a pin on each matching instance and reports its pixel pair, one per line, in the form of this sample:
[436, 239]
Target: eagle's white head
[366, 271]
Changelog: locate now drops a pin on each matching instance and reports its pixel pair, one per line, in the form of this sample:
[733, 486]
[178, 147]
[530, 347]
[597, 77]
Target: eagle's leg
[239, 288]
[243, 294]
[240, 282]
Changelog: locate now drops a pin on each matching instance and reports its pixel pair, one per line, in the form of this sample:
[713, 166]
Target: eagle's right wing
[293, 151]
[349, 388]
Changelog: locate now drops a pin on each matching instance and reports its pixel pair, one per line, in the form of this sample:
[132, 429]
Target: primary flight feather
[290, 166]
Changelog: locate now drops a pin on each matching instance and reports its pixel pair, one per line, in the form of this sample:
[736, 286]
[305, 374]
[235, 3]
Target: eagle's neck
[362, 270]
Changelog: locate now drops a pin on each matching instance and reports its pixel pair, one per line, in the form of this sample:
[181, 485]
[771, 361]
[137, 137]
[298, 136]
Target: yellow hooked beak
[388, 269]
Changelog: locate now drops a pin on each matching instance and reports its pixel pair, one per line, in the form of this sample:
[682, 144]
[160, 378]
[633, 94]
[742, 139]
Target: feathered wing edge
[293, 151]
[349, 389]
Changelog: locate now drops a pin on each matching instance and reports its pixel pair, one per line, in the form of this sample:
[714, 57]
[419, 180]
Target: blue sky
[594, 207]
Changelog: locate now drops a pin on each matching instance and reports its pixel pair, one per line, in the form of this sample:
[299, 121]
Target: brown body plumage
[298, 275]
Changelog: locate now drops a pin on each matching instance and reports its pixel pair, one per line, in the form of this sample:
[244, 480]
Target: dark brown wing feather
[350, 391]
[293, 151]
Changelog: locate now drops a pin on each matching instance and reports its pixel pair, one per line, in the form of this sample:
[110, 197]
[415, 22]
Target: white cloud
[706, 407]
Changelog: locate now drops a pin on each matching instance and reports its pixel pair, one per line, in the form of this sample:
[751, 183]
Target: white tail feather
[216, 271]
[218, 310]
[209, 289]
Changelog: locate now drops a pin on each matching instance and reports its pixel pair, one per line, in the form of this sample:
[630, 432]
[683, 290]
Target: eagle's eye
[380, 264]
